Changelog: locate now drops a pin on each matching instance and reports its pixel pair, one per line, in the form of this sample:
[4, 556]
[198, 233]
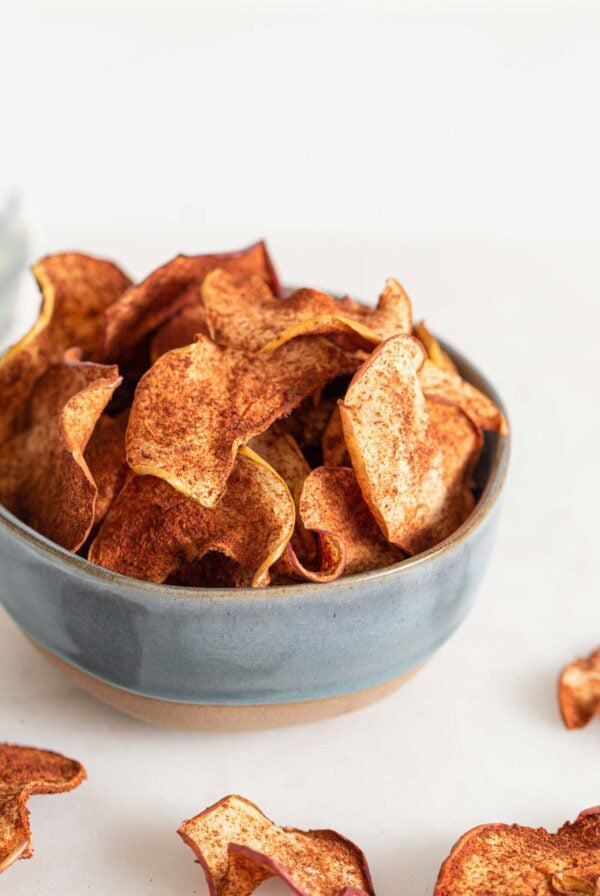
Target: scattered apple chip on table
[511, 860]
[197, 405]
[44, 477]
[25, 771]
[238, 848]
[579, 691]
[147, 305]
[152, 529]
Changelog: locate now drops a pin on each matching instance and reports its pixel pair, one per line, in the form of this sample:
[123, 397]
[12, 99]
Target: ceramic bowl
[244, 658]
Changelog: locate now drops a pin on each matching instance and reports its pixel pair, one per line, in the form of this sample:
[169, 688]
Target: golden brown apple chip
[413, 458]
[435, 352]
[75, 291]
[152, 530]
[44, 478]
[238, 848]
[331, 505]
[147, 305]
[246, 315]
[511, 860]
[198, 404]
[335, 453]
[579, 691]
[25, 771]
[443, 385]
[105, 457]
[179, 330]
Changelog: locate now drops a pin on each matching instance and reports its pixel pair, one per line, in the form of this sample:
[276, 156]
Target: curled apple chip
[335, 452]
[246, 315]
[25, 771]
[579, 691]
[152, 531]
[75, 291]
[147, 305]
[198, 404]
[238, 848]
[435, 352]
[443, 385]
[44, 478]
[507, 860]
[413, 458]
[180, 329]
[105, 457]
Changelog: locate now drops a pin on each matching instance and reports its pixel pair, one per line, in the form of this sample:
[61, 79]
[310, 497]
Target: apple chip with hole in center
[147, 305]
[152, 531]
[512, 860]
[238, 848]
[198, 404]
[246, 315]
[25, 771]
[413, 458]
[579, 691]
[44, 478]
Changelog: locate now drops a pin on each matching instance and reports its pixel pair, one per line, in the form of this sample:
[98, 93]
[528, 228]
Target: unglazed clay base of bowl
[207, 717]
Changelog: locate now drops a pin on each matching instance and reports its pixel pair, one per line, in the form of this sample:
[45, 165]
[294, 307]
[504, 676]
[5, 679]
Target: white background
[455, 147]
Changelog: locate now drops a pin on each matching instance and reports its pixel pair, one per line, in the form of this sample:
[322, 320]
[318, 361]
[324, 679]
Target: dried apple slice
[25, 771]
[335, 452]
[413, 458]
[179, 330]
[75, 291]
[579, 691]
[105, 457]
[152, 530]
[198, 404]
[507, 860]
[443, 385]
[435, 352]
[238, 848]
[147, 305]
[44, 478]
[246, 315]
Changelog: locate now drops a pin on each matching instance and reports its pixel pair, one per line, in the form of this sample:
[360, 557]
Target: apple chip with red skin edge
[238, 848]
[435, 352]
[105, 457]
[245, 315]
[333, 444]
[507, 860]
[579, 691]
[179, 330]
[198, 404]
[44, 478]
[413, 458]
[25, 771]
[152, 530]
[442, 385]
[75, 291]
[147, 305]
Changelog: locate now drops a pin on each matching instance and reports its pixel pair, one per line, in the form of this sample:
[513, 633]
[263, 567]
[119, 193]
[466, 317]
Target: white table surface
[476, 736]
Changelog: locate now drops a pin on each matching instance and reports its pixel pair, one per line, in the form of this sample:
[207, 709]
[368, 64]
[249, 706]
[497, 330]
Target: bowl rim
[487, 500]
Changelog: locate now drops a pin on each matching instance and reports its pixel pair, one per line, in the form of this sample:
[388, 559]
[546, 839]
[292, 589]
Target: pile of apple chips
[198, 428]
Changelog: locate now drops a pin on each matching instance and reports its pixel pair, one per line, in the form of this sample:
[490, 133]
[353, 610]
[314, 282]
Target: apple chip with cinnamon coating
[443, 385]
[105, 457]
[579, 691]
[198, 404]
[238, 848]
[147, 305]
[246, 315]
[333, 444]
[44, 477]
[25, 771]
[152, 530]
[507, 860]
[435, 352]
[413, 458]
[179, 330]
[75, 291]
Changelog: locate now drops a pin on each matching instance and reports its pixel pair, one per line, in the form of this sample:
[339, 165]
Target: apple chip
[507, 860]
[443, 385]
[105, 457]
[246, 315]
[331, 505]
[44, 478]
[238, 848]
[214, 570]
[579, 691]
[75, 291]
[198, 404]
[179, 330]
[335, 453]
[152, 530]
[435, 352]
[25, 771]
[413, 458]
[147, 305]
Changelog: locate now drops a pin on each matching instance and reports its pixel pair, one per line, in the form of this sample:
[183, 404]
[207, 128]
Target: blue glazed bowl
[239, 658]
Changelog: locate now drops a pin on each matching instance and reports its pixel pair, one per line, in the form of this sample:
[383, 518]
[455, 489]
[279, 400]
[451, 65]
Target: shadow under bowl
[230, 659]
